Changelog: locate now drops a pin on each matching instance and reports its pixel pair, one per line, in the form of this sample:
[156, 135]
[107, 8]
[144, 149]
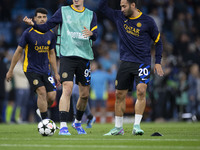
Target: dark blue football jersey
[136, 35]
[36, 50]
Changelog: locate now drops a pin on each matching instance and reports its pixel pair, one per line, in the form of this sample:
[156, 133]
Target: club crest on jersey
[48, 42]
[35, 82]
[139, 24]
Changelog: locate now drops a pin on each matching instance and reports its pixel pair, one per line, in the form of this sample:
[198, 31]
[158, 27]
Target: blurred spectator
[181, 44]
[192, 91]
[154, 14]
[22, 93]
[182, 97]
[105, 61]
[194, 47]
[165, 91]
[189, 53]
[114, 53]
[189, 21]
[179, 25]
[99, 90]
[110, 33]
[169, 12]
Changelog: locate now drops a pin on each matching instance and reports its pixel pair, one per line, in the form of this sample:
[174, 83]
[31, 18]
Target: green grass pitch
[176, 136]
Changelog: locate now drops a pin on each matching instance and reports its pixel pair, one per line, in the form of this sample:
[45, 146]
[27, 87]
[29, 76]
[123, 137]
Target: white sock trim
[76, 121]
[63, 124]
[138, 119]
[118, 121]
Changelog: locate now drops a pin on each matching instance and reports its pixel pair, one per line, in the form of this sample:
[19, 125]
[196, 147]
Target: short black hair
[41, 10]
[133, 1]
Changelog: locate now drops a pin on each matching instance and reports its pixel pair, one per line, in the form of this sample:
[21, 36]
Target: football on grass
[46, 127]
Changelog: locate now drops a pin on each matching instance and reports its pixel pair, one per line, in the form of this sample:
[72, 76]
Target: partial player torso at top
[37, 46]
[70, 40]
[136, 37]
[135, 34]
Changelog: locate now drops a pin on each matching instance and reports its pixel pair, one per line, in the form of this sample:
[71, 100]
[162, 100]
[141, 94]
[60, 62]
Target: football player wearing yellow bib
[77, 29]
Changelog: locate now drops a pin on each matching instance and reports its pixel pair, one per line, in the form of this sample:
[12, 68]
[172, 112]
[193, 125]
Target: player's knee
[120, 96]
[41, 92]
[141, 92]
[84, 96]
[67, 91]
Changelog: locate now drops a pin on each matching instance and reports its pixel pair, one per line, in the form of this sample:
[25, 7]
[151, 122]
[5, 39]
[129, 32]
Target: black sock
[90, 116]
[44, 115]
[79, 114]
[63, 116]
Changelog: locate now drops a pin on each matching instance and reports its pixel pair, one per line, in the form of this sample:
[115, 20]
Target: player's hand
[28, 21]
[87, 33]
[158, 69]
[9, 76]
[57, 77]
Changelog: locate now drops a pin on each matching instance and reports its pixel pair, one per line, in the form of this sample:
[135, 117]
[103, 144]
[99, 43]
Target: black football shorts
[70, 66]
[37, 80]
[130, 71]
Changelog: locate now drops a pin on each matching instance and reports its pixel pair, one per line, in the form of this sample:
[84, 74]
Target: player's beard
[129, 13]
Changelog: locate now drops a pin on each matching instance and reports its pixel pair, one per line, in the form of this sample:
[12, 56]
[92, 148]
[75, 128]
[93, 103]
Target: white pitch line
[100, 139]
[100, 146]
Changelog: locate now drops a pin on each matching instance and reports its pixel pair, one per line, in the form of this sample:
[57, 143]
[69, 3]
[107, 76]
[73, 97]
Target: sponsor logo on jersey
[132, 30]
[42, 49]
[76, 35]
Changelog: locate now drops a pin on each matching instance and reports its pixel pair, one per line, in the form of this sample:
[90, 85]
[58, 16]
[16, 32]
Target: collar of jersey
[35, 31]
[137, 16]
[77, 9]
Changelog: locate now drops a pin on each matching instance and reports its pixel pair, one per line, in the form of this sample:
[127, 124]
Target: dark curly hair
[41, 10]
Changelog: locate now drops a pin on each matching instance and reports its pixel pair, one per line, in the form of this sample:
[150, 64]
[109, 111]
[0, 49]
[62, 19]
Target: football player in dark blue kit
[39, 54]
[136, 31]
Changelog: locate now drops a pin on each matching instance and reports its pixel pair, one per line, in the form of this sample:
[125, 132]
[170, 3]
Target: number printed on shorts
[87, 73]
[51, 80]
[143, 71]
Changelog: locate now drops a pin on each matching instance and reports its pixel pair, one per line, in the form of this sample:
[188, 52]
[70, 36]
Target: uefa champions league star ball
[46, 127]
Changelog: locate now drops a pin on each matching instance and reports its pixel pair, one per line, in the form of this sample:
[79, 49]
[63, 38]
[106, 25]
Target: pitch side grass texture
[176, 136]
